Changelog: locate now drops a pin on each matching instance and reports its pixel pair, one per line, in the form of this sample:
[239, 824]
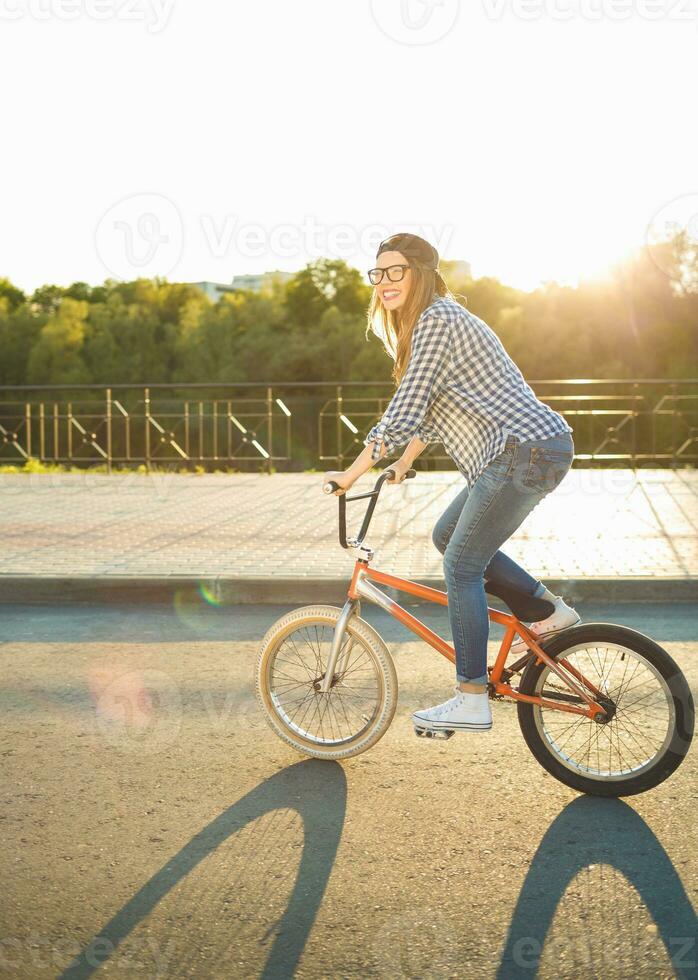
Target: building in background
[214, 290]
[252, 283]
[264, 280]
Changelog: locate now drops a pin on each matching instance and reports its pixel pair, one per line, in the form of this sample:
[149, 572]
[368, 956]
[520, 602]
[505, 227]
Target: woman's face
[393, 294]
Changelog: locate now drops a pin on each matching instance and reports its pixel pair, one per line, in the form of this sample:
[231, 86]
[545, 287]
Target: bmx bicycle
[602, 707]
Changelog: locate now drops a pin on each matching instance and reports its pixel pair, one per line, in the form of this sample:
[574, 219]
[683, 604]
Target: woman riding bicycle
[457, 385]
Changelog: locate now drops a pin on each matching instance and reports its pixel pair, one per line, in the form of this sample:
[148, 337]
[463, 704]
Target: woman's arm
[364, 461]
[412, 451]
[426, 373]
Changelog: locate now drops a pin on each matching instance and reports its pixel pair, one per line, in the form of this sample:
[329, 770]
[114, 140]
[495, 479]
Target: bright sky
[200, 139]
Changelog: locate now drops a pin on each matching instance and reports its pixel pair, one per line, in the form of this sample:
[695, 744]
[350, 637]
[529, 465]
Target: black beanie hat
[414, 248]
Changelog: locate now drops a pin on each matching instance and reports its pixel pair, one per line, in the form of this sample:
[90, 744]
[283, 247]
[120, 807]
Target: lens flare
[206, 593]
[195, 606]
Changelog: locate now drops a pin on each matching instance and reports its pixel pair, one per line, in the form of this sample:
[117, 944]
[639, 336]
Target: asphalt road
[153, 825]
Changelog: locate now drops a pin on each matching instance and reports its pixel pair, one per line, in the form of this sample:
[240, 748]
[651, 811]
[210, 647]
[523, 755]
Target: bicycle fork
[366, 589]
[349, 609]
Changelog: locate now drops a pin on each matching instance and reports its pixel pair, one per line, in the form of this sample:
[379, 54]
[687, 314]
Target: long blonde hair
[397, 326]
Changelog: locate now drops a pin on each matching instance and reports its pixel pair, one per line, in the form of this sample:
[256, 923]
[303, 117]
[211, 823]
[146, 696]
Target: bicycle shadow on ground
[317, 790]
[588, 834]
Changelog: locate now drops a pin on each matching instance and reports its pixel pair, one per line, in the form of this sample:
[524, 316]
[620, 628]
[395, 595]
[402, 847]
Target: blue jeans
[477, 522]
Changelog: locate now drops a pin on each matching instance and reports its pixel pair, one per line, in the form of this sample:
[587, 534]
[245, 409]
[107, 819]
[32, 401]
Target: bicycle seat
[523, 606]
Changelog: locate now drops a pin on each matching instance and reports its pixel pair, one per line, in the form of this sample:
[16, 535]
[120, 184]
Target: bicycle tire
[676, 693]
[385, 673]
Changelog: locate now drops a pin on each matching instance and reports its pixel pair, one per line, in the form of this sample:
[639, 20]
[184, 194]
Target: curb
[35, 589]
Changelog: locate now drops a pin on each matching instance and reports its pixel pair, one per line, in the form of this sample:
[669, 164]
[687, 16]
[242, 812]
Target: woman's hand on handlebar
[340, 477]
[400, 468]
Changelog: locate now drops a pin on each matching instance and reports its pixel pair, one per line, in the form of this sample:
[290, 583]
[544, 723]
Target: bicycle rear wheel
[359, 706]
[650, 712]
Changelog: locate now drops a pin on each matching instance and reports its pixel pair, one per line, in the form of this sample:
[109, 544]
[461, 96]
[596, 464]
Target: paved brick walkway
[597, 523]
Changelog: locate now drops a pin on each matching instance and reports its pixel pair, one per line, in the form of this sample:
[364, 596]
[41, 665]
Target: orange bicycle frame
[360, 587]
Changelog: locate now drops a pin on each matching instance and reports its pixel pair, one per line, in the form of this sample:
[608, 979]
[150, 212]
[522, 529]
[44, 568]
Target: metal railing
[615, 421]
[144, 425]
[248, 425]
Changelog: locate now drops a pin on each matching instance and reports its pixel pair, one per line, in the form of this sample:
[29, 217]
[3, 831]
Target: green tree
[322, 284]
[19, 331]
[56, 358]
[13, 296]
[47, 299]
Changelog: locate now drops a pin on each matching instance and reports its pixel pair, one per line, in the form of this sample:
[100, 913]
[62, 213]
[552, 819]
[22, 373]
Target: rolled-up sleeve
[427, 433]
[425, 376]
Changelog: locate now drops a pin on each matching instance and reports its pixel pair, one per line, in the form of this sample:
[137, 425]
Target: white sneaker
[560, 619]
[466, 711]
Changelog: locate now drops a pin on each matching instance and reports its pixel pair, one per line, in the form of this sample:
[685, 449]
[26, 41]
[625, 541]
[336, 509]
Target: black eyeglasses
[394, 272]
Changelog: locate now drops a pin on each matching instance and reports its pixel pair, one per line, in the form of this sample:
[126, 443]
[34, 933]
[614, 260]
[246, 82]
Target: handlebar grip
[408, 475]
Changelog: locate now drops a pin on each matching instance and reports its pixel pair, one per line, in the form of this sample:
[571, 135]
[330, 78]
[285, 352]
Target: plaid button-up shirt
[462, 389]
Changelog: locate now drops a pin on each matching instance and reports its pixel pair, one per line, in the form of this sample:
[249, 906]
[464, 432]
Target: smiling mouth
[391, 294]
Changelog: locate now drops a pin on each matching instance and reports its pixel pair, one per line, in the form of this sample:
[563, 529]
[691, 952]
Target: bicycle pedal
[444, 733]
[422, 732]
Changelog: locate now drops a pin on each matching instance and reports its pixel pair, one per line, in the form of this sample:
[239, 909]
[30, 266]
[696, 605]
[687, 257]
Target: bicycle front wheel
[650, 713]
[360, 704]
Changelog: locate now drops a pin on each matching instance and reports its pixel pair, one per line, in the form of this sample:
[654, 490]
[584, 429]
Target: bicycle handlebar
[331, 486]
